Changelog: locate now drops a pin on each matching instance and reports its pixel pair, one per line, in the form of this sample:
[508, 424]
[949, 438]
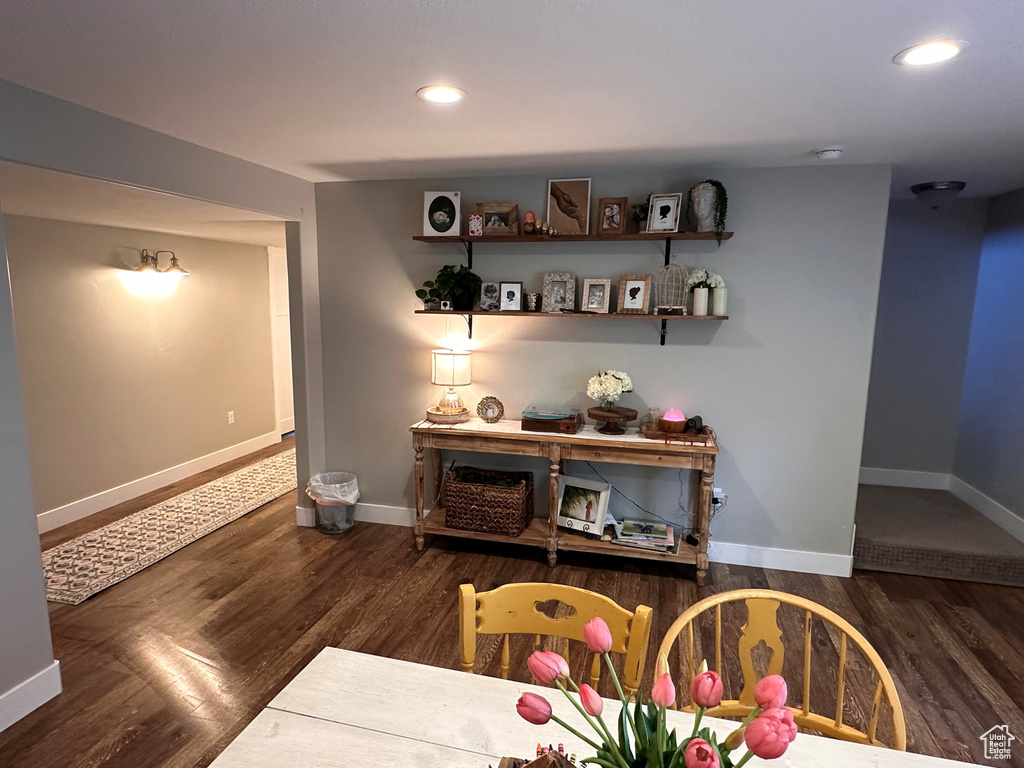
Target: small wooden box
[569, 425]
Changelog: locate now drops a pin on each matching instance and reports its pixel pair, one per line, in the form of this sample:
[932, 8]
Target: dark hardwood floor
[165, 668]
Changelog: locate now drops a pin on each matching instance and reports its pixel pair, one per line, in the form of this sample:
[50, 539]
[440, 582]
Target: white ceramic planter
[718, 300]
[700, 301]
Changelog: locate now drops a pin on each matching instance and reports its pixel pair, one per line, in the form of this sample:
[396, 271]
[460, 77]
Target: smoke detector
[829, 153]
[938, 193]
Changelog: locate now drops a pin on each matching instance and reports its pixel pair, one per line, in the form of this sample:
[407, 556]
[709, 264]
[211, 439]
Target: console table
[506, 437]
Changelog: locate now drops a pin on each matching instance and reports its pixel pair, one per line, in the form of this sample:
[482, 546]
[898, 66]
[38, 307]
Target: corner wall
[784, 381]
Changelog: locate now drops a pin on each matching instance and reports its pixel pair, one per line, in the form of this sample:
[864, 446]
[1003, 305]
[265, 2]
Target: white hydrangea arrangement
[607, 387]
[701, 278]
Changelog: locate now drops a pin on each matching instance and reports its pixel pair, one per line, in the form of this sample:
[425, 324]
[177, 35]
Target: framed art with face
[559, 292]
[499, 218]
[442, 214]
[611, 215]
[664, 214]
[489, 297]
[511, 297]
[596, 294]
[634, 294]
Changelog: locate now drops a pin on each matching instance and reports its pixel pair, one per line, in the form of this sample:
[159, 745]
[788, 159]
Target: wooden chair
[514, 609]
[762, 625]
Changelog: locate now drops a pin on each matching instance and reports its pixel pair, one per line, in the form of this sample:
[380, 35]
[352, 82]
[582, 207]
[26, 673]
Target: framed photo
[511, 297]
[596, 293]
[489, 297]
[569, 206]
[665, 210]
[634, 294]
[490, 409]
[442, 214]
[499, 218]
[611, 215]
[582, 504]
[559, 292]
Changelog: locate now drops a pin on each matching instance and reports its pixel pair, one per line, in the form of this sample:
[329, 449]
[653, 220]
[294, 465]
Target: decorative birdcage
[670, 290]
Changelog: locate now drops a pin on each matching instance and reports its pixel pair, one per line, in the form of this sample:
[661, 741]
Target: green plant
[721, 205]
[457, 284]
[640, 211]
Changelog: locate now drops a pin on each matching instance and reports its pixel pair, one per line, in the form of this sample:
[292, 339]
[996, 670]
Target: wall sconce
[149, 280]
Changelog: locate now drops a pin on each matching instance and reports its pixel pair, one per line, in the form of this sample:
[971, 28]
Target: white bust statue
[704, 196]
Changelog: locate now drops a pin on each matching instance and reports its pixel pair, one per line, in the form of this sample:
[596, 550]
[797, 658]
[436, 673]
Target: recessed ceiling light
[440, 94]
[928, 53]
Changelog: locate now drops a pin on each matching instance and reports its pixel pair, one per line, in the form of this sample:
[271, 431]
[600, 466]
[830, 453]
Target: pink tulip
[533, 708]
[663, 694]
[771, 692]
[547, 666]
[769, 734]
[597, 635]
[592, 703]
[700, 754]
[706, 689]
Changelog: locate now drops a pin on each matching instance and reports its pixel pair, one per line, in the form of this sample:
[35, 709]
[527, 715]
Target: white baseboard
[29, 695]
[824, 563]
[989, 507]
[287, 425]
[90, 505]
[381, 513]
[905, 478]
[305, 517]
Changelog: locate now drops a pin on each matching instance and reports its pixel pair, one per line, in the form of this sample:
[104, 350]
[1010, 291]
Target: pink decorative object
[597, 635]
[674, 420]
[673, 414]
[476, 225]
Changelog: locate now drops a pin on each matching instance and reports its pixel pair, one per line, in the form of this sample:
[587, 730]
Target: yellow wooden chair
[514, 609]
[762, 624]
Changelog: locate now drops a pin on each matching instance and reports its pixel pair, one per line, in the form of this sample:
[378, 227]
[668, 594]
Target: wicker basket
[472, 504]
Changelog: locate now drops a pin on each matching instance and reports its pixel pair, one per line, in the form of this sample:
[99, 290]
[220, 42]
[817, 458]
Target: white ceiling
[325, 90]
[43, 194]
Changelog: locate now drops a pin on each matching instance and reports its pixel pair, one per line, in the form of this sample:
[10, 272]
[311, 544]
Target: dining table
[347, 709]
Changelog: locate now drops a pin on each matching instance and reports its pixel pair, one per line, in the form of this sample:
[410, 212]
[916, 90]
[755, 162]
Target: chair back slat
[516, 609]
[595, 670]
[762, 626]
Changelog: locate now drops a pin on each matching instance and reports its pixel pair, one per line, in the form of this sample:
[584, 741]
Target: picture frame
[559, 292]
[569, 206]
[490, 409]
[510, 297]
[596, 295]
[499, 218]
[665, 210]
[442, 214]
[582, 504]
[612, 213]
[634, 295]
[490, 296]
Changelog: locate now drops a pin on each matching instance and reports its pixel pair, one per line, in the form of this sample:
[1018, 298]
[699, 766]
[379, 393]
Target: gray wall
[784, 381]
[40, 130]
[925, 306]
[118, 386]
[990, 448]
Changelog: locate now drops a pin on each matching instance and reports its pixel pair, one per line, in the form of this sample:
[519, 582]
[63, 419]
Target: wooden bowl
[671, 426]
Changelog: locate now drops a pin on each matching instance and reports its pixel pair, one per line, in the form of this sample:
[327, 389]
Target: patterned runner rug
[80, 568]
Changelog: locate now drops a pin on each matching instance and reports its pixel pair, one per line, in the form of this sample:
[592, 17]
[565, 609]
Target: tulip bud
[597, 635]
[593, 704]
[533, 708]
[663, 694]
[706, 689]
[735, 738]
[547, 666]
[771, 692]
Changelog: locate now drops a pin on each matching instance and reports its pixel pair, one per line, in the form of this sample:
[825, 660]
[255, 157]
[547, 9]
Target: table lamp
[450, 368]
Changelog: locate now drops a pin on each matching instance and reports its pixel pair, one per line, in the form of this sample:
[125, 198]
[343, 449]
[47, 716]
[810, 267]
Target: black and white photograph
[611, 213]
[559, 292]
[664, 215]
[441, 214]
[489, 297]
[511, 297]
[596, 295]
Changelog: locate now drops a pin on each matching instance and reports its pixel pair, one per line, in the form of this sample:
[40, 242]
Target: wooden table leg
[555, 458]
[707, 480]
[417, 446]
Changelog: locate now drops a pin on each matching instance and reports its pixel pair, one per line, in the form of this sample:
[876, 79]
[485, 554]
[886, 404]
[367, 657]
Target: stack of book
[658, 537]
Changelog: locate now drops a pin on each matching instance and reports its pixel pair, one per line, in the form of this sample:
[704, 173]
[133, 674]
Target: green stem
[753, 713]
[622, 696]
[744, 759]
[696, 721]
[572, 730]
[661, 736]
[592, 724]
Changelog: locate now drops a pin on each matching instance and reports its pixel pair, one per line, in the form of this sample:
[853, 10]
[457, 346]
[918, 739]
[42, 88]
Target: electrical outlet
[717, 496]
[231, 417]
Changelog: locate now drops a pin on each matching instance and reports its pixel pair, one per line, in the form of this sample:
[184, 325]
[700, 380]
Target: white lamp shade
[451, 368]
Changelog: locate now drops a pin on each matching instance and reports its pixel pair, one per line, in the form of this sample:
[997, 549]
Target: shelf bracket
[469, 323]
[664, 331]
[469, 259]
[668, 256]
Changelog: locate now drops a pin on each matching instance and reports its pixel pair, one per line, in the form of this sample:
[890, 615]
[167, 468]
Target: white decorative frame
[585, 295]
[455, 228]
[675, 197]
[548, 295]
[603, 491]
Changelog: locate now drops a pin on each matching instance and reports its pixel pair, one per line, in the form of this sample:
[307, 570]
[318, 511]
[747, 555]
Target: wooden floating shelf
[635, 237]
[598, 315]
